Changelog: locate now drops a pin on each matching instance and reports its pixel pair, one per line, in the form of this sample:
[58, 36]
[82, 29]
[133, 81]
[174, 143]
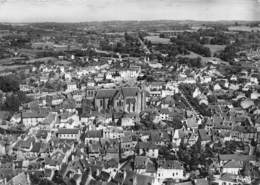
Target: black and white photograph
[129, 92]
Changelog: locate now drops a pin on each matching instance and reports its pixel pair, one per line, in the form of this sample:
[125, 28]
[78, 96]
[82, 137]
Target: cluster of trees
[191, 62]
[172, 50]
[229, 147]
[191, 45]
[43, 54]
[56, 85]
[9, 83]
[214, 36]
[37, 179]
[14, 97]
[220, 39]
[229, 53]
[148, 78]
[18, 41]
[208, 36]
[195, 155]
[147, 120]
[130, 45]
[254, 24]
[133, 48]
[180, 102]
[242, 41]
[14, 101]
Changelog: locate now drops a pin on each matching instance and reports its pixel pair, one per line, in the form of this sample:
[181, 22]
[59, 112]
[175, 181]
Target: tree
[57, 178]
[14, 101]
[229, 53]
[9, 83]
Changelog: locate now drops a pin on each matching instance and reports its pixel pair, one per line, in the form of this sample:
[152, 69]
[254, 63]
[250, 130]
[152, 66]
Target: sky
[103, 10]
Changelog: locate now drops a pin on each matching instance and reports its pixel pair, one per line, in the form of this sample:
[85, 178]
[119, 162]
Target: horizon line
[130, 20]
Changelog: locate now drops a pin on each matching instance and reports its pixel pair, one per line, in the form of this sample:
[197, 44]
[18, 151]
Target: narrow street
[191, 107]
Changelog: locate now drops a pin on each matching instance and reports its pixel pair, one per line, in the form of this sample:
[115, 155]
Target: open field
[45, 60]
[204, 60]
[157, 40]
[215, 48]
[12, 67]
[62, 62]
[243, 28]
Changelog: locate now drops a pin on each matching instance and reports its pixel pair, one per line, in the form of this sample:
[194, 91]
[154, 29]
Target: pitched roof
[201, 182]
[170, 164]
[157, 136]
[203, 135]
[184, 183]
[233, 164]
[94, 134]
[143, 179]
[236, 157]
[34, 115]
[68, 131]
[130, 91]
[228, 177]
[105, 93]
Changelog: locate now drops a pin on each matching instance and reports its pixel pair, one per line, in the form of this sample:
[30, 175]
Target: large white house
[30, 119]
[169, 169]
[72, 87]
[70, 134]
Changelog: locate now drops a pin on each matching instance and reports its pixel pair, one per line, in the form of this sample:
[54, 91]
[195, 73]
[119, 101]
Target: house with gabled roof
[92, 135]
[71, 86]
[68, 134]
[170, 169]
[224, 158]
[229, 179]
[233, 167]
[32, 118]
[148, 149]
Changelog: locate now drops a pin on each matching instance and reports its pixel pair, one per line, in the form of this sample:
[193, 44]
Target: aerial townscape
[130, 103]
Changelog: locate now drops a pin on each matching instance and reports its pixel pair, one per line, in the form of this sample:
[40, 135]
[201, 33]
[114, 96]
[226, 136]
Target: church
[124, 99]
